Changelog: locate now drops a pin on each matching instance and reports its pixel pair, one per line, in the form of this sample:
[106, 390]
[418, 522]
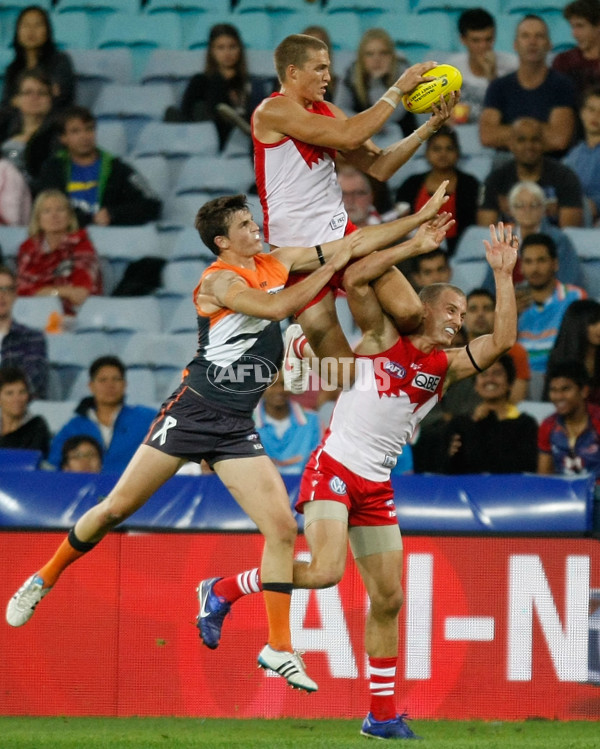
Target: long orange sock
[278, 614]
[69, 551]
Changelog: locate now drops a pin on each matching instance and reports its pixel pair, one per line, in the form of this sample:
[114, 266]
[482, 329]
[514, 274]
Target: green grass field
[173, 733]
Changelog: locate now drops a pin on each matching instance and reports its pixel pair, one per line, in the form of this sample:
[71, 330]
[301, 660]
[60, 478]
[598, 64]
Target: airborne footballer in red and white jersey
[374, 419]
[287, 173]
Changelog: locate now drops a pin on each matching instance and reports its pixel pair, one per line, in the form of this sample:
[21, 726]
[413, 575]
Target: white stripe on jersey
[219, 350]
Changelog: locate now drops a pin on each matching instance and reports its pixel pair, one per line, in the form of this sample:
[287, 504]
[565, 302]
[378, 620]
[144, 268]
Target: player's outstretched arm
[226, 289]
[383, 163]
[501, 254]
[283, 116]
[367, 239]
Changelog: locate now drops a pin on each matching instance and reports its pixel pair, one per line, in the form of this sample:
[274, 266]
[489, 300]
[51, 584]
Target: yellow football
[421, 98]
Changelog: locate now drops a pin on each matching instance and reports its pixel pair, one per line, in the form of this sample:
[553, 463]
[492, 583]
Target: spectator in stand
[582, 62]
[479, 63]
[81, 454]
[561, 186]
[578, 339]
[28, 131]
[442, 152]
[584, 157]
[358, 196]
[377, 67]
[21, 346]
[225, 92]
[527, 207]
[288, 432]
[106, 417]
[18, 428]
[533, 90]
[35, 48]
[495, 437]
[569, 439]
[542, 301]
[431, 268]
[321, 33]
[102, 189]
[15, 198]
[58, 259]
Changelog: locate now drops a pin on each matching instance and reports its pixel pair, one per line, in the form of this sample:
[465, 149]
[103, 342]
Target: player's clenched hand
[501, 250]
[415, 75]
[435, 202]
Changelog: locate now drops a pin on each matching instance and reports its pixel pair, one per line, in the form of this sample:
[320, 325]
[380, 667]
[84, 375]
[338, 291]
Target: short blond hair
[294, 50]
[34, 221]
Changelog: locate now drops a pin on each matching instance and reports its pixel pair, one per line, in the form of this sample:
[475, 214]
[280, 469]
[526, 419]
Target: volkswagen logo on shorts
[249, 374]
[337, 486]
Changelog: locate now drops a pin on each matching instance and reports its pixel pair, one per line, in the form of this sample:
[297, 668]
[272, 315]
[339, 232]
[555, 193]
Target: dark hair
[475, 19]
[9, 375]
[72, 443]
[570, 369]
[416, 268]
[586, 9]
[540, 238]
[48, 48]
[106, 361]
[211, 67]
[38, 75]
[571, 340]
[481, 292]
[74, 112]
[508, 365]
[214, 218]
[444, 132]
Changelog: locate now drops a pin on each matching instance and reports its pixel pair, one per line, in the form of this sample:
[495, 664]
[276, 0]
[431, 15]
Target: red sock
[234, 587]
[382, 673]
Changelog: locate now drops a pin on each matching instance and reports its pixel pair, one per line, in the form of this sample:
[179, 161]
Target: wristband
[396, 90]
[389, 101]
[320, 254]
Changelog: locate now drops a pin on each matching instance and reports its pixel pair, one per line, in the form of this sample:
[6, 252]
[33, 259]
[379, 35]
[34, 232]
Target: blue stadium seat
[523, 7]
[133, 105]
[11, 238]
[34, 311]
[344, 28]
[273, 7]
[196, 29]
[189, 246]
[72, 31]
[256, 29]
[155, 171]
[184, 318]
[367, 7]
[180, 210]
[416, 34]
[180, 277]
[141, 387]
[141, 33]
[70, 353]
[479, 165]
[95, 67]
[587, 246]
[112, 137]
[468, 138]
[215, 175]
[173, 139]
[115, 315]
[452, 7]
[173, 66]
[121, 245]
[97, 11]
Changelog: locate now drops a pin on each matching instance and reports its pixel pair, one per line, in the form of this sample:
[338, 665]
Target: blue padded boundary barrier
[507, 504]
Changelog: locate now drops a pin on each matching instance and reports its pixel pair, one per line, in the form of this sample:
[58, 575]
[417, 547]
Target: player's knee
[111, 514]
[387, 604]
[285, 530]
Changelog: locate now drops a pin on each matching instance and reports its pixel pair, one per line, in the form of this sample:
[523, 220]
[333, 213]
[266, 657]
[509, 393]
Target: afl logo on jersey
[425, 381]
[394, 369]
[337, 486]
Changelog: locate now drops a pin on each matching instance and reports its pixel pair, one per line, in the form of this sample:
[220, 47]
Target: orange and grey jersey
[298, 189]
[237, 354]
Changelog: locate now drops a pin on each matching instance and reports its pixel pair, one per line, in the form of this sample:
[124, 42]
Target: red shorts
[335, 282]
[369, 503]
